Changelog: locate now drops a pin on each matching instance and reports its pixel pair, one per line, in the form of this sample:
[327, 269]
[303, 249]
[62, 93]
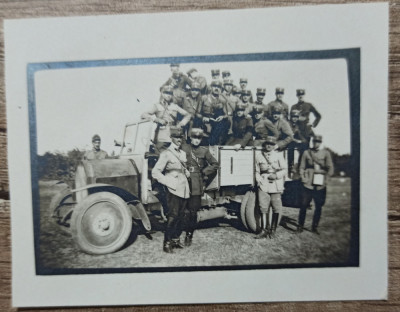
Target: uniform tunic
[169, 113]
[266, 164]
[174, 178]
[321, 158]
[262, 129]
[94, 154]
[200, 164]
[285, 133]
[277, 103]
[305, 109]
[242, 128]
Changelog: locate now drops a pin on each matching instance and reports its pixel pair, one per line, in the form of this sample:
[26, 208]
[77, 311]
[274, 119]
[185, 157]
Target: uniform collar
[174, 147]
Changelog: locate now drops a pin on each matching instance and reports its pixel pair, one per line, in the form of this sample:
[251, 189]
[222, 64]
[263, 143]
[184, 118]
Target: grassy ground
[216, 243]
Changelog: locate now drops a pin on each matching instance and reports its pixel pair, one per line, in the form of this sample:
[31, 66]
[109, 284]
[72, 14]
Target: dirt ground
[216, 243]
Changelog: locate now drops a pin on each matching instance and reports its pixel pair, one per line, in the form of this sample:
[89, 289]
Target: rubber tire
[83, 229]
[245, 198]
[252, 212]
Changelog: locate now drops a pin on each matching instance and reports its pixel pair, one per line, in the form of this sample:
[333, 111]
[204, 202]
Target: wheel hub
[103, 224]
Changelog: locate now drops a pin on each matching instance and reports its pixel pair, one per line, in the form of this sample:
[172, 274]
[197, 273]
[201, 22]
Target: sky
[73, 104]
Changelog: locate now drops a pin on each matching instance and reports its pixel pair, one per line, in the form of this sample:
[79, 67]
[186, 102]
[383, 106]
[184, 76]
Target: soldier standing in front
[170, 170]
[271, 170]
[202, 167]
[315, 168]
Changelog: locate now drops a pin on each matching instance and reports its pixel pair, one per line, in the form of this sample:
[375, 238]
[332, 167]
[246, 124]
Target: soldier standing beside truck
[202, 167]
[315, 167]
[271, 170]
[170, 170]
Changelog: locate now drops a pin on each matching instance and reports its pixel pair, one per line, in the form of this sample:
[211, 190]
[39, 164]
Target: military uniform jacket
[277, 103]
[311, 159]
[263, 128]
[232, 102]
[169, 113]
[242, 128]
[266, 164]
[285, 133]
[200, 164]
[170, 171]
[305, 109]
[93, 154]
[181, 81]
[213, 107]
[301, 131]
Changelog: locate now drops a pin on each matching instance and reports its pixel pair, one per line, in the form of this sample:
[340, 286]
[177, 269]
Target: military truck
[109, 194]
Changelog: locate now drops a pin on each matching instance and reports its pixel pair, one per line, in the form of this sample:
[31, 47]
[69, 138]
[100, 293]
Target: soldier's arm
[167, 83]
[272, 130]
[212, 166]
[150, 114]
[157, 172]
[248, 135]
[283, 167]
[185, 114]
[302, 167]
[316, 114]
[258, 170]
[329, 163]
[289, 136]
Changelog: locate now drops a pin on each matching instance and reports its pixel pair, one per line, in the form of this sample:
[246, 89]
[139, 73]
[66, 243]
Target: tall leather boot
[266, 231]
[188, 239]
[274, 224]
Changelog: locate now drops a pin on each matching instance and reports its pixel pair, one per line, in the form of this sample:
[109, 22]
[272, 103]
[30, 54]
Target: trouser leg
[276, 203]
[264, 200]
[319, 199]
[194, 204]
[306, 200]
[174, 203]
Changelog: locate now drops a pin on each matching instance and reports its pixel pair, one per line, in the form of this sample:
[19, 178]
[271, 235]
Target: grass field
[215, 243]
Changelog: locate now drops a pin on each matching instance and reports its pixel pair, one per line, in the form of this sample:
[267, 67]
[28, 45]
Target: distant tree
[342, 163]
[59, 166]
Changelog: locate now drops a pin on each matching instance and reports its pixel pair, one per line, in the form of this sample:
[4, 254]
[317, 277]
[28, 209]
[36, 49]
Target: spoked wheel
[250, 212]
[101, 223]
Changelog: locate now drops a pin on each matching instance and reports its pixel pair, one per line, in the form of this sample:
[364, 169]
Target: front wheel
[101, 223]
[250, 212]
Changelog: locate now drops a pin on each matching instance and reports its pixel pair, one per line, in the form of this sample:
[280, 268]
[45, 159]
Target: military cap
[300, 92]
[317, 138]
[246, 92]
[96, 137]
[196, 133]
[258, 109]
[228, 82]
[176, 132]
[174, 65]
[276, 109]
[260, 91]
[241, 106]
[214, 72]
[226, 73]
[216, 83]
[167, 89]
[195, 85]
[295, 113]
[269, 140]
[243, 80]
[190, 71]
[279, 91]
[235, 90]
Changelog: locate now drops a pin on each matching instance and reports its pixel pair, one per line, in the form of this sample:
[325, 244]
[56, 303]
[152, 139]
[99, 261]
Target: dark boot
[263, 234]
[167, 247]
[188, 239]
[299, 229]
[315, 230]
[274, 224]
[176, 243]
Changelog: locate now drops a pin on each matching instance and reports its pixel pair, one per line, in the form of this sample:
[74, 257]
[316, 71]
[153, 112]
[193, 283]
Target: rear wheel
[251, 212]
[101, 223]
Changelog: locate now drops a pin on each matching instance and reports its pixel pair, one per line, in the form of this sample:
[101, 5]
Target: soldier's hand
[205, 119]
[219, 118]
[272, 176]
[160, 121]
[187, 173]
[237, 147]
[181, 125]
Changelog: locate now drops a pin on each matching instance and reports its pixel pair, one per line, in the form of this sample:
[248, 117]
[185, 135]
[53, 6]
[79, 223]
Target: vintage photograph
[211, 162]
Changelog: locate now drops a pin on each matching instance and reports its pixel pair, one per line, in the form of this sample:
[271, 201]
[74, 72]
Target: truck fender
[139, 213]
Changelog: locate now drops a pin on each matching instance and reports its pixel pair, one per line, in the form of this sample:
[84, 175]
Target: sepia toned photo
[196, 163]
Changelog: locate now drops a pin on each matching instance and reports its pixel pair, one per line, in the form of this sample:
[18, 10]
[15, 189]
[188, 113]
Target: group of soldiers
[192, 115]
